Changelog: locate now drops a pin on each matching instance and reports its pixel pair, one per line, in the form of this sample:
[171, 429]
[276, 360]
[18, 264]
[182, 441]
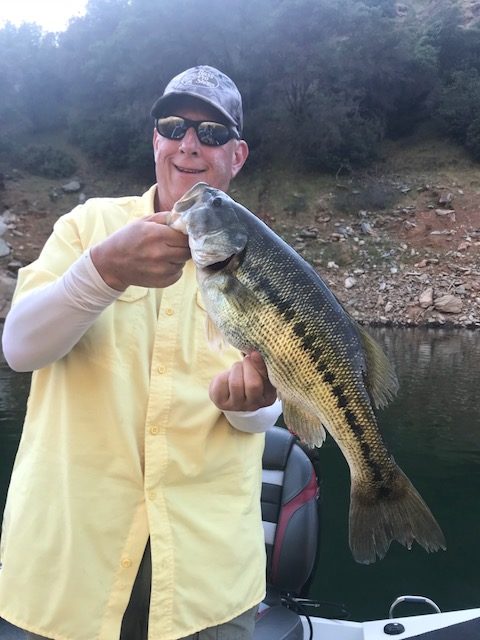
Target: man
[134, 505]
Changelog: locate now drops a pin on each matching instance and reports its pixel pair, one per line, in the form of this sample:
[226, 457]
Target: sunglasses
[212, 134]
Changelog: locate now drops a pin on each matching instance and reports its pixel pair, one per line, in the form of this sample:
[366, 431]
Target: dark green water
[433, 430]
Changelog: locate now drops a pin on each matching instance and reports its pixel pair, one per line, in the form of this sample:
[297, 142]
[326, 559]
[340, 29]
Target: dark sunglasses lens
[171, 127]
[213, 133]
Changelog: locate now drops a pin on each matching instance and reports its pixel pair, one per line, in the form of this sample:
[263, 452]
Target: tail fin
[397, 512]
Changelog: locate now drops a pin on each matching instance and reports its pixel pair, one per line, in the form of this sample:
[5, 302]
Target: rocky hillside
[398, 245]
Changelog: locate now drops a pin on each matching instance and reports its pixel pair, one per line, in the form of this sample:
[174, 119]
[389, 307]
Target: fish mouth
[207, 261]
[218, 266]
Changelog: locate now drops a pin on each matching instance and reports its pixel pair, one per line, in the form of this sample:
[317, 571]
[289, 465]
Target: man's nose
[190, 142]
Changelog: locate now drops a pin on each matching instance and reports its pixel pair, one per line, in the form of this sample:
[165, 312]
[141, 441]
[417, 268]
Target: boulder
[425, 299]
[448, 303]
[71, 187]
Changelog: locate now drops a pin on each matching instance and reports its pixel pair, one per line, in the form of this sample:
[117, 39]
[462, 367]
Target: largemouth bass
[329, 373]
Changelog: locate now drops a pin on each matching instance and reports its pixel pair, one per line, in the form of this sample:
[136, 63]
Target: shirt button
[169, 312]
[151, 494]
[161, 368]
[154, 430]
[126, 563]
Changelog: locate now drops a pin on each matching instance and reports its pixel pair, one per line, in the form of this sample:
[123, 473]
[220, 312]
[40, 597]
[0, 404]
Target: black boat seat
[291, 523]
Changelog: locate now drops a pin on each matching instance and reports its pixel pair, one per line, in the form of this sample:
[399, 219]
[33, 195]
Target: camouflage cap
[208, 84]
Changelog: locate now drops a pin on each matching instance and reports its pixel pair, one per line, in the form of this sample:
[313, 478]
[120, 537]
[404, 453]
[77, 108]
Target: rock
[71, 187]
[8, 217]
[425, 262]
[425, 299]
[4, 248]
[7, 287]
[308, 233]
[3, 228]
[448, 303]
[367, 229]
[54, 194]
[445, 198]
[349, 282]
[14, 266]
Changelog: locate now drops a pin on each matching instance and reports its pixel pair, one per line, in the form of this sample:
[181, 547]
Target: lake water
[433, 430]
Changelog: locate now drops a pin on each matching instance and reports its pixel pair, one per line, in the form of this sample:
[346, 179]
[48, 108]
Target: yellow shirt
[121, 442]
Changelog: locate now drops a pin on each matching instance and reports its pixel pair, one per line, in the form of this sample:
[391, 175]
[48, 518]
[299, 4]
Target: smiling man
[134, 507]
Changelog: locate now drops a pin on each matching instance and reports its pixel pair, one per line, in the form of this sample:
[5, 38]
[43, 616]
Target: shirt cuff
[257, 421]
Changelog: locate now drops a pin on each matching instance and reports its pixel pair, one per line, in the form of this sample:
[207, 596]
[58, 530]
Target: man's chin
[185, 181]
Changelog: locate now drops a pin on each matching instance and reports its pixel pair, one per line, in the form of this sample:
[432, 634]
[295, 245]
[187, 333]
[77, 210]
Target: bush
[457, 103]
[472, 141]
[46, 161]
[113, 140]
[337, 135]
[370, 195]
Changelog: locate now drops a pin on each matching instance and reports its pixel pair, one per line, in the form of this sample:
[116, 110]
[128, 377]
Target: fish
[330, 374]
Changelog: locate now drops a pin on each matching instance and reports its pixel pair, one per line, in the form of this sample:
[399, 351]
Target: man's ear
[155, 138]
[240, 156]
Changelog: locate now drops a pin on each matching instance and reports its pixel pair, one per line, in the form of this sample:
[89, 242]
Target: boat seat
[290, 517]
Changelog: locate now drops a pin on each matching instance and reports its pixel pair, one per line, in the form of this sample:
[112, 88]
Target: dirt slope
[399, 244]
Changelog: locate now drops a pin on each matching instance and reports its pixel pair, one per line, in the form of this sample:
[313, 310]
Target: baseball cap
[208, 84]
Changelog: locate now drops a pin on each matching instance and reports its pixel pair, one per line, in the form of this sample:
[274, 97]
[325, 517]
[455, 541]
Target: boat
[452, 625]
[290, 514]
[291, 521]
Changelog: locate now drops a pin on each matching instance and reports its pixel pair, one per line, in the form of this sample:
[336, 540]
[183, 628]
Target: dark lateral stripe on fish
[342, 401]
[299, 328]
[359, 431]
[329, 377]
[308, 342]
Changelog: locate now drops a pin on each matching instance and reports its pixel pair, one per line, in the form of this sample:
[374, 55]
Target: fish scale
[260, 295]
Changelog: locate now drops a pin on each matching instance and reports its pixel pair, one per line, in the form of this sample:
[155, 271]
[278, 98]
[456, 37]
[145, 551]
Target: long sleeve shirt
[121, 443]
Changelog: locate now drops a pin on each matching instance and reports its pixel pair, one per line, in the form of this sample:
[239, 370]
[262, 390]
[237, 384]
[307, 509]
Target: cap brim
[162, 103]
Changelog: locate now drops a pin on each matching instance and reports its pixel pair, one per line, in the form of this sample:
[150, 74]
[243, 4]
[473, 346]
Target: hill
[399, 244]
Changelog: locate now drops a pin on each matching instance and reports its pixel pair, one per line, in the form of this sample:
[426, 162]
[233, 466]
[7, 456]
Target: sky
[51, 15]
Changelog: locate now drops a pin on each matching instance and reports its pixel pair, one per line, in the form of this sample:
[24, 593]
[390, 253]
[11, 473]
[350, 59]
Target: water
[13, 398]
[433, 430]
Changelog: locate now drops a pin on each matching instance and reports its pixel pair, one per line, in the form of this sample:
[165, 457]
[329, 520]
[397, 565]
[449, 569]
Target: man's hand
[244, 387]
[145, 252]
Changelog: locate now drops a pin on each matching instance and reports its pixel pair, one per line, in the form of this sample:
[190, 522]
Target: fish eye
[217, 202]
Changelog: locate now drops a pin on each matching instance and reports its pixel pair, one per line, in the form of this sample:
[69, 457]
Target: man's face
[179, 164]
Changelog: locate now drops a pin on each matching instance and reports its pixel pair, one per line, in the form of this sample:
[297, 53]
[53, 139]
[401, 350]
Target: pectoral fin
[215, 338]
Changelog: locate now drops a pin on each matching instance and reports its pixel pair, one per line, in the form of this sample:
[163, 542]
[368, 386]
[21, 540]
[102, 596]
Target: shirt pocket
[117, 339]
